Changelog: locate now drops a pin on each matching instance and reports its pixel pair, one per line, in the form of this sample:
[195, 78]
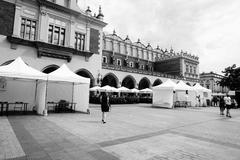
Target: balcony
[50, 50]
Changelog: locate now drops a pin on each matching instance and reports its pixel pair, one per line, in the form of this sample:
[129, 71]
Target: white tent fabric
[181, 95]
[64, 74]
[123, 89]
[18, 69]
[108, 88]
[146, 90]
[163, 95]
[95, 88]
[134, 90]
[203, 94]
[80, 93]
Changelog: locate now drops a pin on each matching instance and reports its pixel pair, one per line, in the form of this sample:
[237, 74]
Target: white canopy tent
[203, 94]
[134, 90]
[70, 83]
[108, 88]
[95, 88]
[146, 90]
[163, 95]
[185, 92]
[123, 89]
[20, 90]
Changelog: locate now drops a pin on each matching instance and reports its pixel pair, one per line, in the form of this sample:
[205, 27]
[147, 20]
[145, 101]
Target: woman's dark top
[221, 103]
[105, 103]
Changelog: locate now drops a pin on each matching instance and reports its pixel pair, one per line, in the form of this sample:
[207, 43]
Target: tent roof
[95, 88]
[123, 89]
[134, 90]
[64, 74]
[146, 90]
[108, 88]
[18, 69]
[183, 86]
[169, 84]
[201, 88]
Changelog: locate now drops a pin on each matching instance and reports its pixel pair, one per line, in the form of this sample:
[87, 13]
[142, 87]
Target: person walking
[228, 103]
[221, 105]
[105, 105]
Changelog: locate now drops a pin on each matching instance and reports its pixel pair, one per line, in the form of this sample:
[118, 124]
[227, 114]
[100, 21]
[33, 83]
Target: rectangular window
[79, 41]
[119, 62]
[194, 70]
[56, 35]
[50, 33]
[28, 29]
[187, 69]
[190, 69]
[104, 59]
[67, 3]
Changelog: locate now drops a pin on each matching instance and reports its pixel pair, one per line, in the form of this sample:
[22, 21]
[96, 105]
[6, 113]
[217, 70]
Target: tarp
[19, 69]
[163, 95]
[64, 74]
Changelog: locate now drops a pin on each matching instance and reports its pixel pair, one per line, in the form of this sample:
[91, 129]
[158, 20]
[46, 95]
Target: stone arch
[129, 82]
[87, 74]
[7, 62]
[50, 68]
[111, 80]
[157, 82]
[144, 83]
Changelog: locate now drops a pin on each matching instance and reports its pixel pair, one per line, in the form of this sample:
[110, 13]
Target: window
[56, 35]
[104, 59]
[119, 62]
[67, 3]
[187, 69]
[142, 67]
[28, 29]
[79, 41]
[131, 64]
[194, 70]
[190, 69]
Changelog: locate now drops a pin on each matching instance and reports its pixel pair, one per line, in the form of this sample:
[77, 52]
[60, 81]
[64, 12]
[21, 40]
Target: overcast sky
[209, 29]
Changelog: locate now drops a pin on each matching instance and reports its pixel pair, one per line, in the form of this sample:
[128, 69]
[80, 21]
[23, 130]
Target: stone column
[17, 22]
[43, 25]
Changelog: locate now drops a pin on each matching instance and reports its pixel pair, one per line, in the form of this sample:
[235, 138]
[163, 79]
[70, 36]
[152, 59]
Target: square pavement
[132, 132]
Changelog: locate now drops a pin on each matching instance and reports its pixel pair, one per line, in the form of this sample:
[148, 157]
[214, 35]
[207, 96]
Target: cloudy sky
[209, 29]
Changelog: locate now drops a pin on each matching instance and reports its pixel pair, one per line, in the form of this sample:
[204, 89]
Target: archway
[85, 73]
[129, 82]
[50, 68]
[157, 82]
[110, 79]
[144, 83]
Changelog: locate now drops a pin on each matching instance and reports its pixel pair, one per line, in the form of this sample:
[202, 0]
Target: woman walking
[221, 105]
[105, 105]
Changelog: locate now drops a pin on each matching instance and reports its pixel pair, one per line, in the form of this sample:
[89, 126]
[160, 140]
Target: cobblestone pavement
[132, 132]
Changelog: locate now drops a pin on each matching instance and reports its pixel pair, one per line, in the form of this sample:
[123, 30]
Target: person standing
[221, 105]
[228, 103]
[105, 105]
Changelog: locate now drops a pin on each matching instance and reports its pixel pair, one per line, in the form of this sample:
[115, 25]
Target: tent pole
[72, 91]
[35, 98]
[44, 111]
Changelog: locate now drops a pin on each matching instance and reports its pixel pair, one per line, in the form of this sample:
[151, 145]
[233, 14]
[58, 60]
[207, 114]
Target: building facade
[210, 80]
[48, 33]
[135, 65]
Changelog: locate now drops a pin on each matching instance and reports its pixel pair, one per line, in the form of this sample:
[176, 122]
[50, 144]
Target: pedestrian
[105, 105]
[228, 103]
[221, 105]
